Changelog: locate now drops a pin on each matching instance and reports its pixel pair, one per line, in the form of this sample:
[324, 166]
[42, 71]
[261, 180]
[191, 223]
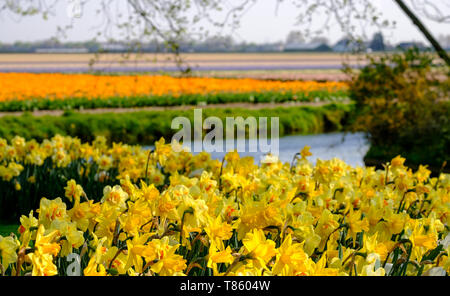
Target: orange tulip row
[25, 86]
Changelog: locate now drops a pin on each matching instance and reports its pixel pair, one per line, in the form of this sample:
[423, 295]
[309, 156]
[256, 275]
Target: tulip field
[28, 92]
[125, 210]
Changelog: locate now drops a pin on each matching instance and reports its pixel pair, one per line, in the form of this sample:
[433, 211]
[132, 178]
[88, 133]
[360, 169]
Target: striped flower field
[26, 91]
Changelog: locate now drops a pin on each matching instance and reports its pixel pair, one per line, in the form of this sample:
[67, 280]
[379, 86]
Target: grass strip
[146, 127]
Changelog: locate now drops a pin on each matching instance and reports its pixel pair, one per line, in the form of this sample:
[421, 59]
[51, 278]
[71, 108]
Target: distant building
[444, 40]
[413, 44]
[113, 47]
[349, 45]
[61, 50]
[307, 47]
[377, 43]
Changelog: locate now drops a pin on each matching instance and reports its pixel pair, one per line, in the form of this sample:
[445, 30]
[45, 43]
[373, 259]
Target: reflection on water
[351, 148]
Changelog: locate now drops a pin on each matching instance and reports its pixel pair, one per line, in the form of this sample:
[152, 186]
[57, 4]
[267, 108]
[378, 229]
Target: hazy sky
[260, 24]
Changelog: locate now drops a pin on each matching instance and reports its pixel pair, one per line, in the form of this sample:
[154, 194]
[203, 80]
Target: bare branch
[433, 10]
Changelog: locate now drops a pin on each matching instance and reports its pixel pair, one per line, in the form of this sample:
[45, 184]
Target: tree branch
[440, 51]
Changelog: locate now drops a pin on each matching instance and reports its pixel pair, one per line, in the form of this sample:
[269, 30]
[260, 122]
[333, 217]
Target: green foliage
[49, 181]
[6, 230]
[404, 108]
[170, 100]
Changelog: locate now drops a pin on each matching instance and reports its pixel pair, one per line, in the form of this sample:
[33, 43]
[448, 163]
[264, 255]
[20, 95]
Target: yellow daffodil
[258, 248]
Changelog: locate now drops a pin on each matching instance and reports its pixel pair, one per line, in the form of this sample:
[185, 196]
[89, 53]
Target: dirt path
[213, 106]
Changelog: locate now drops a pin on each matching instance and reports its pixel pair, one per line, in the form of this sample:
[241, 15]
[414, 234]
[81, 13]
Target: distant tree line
[293, 43]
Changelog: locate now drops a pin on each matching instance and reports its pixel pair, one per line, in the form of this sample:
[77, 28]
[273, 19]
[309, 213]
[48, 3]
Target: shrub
[404, 107]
